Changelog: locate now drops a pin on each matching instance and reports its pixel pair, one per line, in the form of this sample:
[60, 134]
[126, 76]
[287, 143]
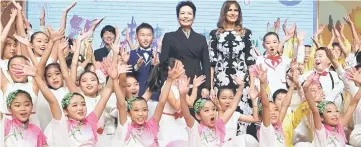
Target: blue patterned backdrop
[161, 14]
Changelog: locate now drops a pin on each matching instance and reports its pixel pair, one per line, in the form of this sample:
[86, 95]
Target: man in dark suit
[108, 36]
[141, 59]
[188, 46]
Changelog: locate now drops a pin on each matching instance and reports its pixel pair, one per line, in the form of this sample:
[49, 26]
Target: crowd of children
[59, 92]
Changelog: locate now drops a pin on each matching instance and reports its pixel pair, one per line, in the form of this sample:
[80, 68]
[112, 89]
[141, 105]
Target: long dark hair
[156, 76]
[222, 21]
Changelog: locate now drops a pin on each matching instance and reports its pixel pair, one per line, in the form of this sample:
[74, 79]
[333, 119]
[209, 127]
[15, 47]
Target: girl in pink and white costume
[211, 130]
[18, 131]
[225, 98]
[328, 122]
[271, 132]
[172, 120]
[75, 128]
[137, 131]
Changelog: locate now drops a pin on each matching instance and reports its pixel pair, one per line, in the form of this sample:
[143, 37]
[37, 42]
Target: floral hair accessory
[130, 102]
[260, 108]
[198, 105]
[11, 97]
[66, 100]
[322, 106]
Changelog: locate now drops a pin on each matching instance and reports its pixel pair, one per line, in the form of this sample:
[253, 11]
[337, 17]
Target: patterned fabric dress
[230, 54]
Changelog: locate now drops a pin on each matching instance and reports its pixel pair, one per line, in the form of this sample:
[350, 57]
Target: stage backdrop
[161, 14]
[329, 18]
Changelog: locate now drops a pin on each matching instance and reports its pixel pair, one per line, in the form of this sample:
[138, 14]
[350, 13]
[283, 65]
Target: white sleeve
[266, 135]
[59, 132]
[337, 90]
[102, 78]
[349, 85]
[300, 54]
[319, 138]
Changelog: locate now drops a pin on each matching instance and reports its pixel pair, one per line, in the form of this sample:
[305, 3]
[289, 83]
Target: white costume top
[332, 89]
[270, 137]
[169, 124]
[73, 133]
[276, 74]
[43, 108]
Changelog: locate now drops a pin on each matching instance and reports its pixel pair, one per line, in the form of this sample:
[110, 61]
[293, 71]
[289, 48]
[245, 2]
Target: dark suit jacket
[101, 53]
[143, 72]
[193, 52]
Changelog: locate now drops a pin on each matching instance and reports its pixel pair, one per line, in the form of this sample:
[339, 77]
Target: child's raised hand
[347, 19]
[262, 74]
[63, 44]
[198, 81]
[176, 71]
[140, 62]
[253, 92]
[115, 48]
[22, 40]
[17, 5]
[309, 80]
[55, 36]
[329, 54]
[14, 12]
[25, 69]
[42, 14]
[337, 34]
[155, 59]
[320, 95]
[108, 67]
[355, 45]
[354, 75]
[124, 68]
[284, 26]
[67, 9]
[238, 80]
[183, 84]
[301, 35]
[277, 24]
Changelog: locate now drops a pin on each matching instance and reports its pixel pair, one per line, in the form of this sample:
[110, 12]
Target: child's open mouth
[212, 118]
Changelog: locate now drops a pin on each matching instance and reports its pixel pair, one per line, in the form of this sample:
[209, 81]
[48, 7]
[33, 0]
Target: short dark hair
[358, 66]
[144, 26]
[16, 56]
[279, 91]
[335, 44]
[269, 34]
[108, 28]
[186, 3]
[307, 45]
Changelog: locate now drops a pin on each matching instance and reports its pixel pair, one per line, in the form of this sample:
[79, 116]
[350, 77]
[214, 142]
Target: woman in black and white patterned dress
[230, 54]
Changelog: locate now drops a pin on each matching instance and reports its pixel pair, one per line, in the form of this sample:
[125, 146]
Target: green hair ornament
[260, 108]
[322, 106]
[199, 104]
[66, 100]
[130, 102]
[11, 97]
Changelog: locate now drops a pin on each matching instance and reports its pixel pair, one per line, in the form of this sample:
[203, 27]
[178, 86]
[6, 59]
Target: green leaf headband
[11, 97]
[198, 105]
[130, 102]
[322, 106]
[66, 100]
[260, 108]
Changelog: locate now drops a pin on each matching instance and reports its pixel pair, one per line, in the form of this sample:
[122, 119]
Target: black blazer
[192, 51]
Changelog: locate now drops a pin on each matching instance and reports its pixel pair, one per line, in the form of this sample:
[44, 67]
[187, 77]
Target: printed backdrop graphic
[162, 16]
[329, 18]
